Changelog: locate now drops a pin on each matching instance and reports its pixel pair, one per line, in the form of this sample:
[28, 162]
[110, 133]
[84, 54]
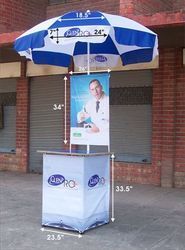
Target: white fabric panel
[103, 60]
[120, 21]
[75, 191]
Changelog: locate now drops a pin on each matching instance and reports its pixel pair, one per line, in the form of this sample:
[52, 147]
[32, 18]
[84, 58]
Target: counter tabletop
[72, 153]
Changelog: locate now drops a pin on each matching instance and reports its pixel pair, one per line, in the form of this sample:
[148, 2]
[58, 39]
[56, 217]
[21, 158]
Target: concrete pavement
[146, 217]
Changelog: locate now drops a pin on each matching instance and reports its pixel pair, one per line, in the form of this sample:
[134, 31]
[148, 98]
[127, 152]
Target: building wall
[146, 7]
[179, 168]
[22, 124]
[154, 13]
[108, 6]
[168, 130]
[18, 161]
[150, 7]
[173, 124]
[178, 5]
[20, 15]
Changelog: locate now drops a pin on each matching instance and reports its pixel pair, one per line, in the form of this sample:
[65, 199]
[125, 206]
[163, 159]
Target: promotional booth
[76, 189]
[76, 185]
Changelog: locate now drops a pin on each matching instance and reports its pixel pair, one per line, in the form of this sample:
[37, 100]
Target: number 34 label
[58, 106]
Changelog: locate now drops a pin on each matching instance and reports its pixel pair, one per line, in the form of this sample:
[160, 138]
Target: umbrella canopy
[90, 37]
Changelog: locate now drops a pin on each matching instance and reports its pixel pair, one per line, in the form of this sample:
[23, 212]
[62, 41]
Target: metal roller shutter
[7, 85]
[46, 124]
[8, 133]
[131, 115]
[8, 105]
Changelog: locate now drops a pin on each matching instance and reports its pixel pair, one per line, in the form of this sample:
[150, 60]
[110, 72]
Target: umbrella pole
[88, 58]
[88, 72]
[88, 148]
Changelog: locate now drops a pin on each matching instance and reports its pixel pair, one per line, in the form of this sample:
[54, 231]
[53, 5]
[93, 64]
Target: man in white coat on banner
[97, 109]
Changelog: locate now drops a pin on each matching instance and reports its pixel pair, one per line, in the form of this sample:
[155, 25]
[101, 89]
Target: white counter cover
[75, 191]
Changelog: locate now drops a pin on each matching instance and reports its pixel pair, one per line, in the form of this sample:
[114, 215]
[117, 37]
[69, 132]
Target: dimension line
[52, 37]
[65, 109]
[62, 233]
[112, 167]
[91, 71]
[80, 18]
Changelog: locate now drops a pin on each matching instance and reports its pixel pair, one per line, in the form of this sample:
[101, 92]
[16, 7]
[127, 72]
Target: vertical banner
[90, 109]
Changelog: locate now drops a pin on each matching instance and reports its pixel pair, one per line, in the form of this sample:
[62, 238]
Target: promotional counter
[76, 190]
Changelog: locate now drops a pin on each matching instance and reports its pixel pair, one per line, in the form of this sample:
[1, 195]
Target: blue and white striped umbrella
[90, 37]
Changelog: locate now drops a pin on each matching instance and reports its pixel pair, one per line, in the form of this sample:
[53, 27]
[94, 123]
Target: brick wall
[168, 81]
[154, 13]
[19, 160]
[168, 127]
[171, 108]
[22, 121]
[126, 7]
[146, 7]
[179, 5]
[149, 7]
[179, 168]
[8, 162]
[137, 173]
[19, 15]
[108, 6]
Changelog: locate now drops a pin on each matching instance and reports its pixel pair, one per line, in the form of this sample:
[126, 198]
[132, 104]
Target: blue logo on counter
[93, 181]
[56, 179]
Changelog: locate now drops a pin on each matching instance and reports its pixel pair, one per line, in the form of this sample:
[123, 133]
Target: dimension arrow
[70, 36]
[91, 71]
[112, 167]
[59, 232]
[81, 18]
[65, 113]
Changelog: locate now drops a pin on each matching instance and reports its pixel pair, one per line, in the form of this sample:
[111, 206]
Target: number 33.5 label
[123, 188]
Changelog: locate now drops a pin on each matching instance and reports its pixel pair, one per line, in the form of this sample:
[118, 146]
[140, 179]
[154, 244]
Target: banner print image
[90, 109]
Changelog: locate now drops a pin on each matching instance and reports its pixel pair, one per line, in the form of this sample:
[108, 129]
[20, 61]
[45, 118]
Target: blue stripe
[34, 40]
[137, 56]
[107, 47]
[51, 58]
[134, 37]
